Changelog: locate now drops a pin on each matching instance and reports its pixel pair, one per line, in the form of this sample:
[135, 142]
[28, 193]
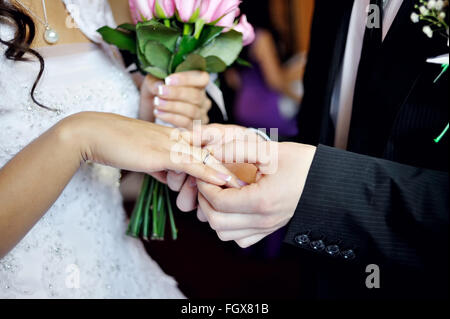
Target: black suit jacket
[385, 200]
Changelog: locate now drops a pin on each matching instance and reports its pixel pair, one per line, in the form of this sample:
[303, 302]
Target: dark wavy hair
[20, 44]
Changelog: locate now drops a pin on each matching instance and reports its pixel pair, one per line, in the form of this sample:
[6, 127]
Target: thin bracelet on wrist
[261, 134]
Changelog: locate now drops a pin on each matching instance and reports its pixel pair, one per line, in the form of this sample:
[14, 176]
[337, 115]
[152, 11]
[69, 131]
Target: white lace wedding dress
[79, 248]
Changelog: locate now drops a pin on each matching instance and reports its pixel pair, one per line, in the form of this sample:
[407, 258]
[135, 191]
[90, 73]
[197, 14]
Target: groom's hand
[209, 135]
[251, 213]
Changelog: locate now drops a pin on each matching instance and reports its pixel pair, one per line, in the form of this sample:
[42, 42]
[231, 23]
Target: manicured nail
[157, 112]
[225, 177]
[170, 80]
[241, 183]
[156, 86]
[158, 102]
[162, 90]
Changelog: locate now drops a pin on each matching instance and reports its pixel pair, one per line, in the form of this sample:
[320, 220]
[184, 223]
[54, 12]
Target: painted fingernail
[156, 86]
[157, 112]
[171, 80]
[241, 183]
[162, 90]
[158, 101]
[224, 177]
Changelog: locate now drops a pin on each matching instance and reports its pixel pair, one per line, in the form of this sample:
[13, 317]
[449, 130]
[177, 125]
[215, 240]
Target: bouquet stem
[199, 25]
[187, 29]
[171, 217]
[154, 197]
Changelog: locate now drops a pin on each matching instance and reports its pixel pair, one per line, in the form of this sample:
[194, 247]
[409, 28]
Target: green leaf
[156, 72]
[128, 27]
[215, 65]
[122, 40]
[143, 63]
[226, 47]
[157, 55]
[154, 31]
[187, 45]
[208, 34]
[243, 62]
[193, 62]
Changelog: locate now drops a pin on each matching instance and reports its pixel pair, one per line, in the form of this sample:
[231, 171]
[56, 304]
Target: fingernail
[224, 177]
[192, 182]
[171, 80]
[158, 102]
[241, 183]
[157, 112]
[162, 90]
[155, 88]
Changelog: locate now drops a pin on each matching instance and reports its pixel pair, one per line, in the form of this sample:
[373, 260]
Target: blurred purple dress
[257, 105]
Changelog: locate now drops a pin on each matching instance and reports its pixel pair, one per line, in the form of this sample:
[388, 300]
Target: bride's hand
[98, 137]
[137, 146]
[179, 101]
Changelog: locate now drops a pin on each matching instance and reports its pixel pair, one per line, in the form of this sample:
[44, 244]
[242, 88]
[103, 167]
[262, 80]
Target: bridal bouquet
[170, 36]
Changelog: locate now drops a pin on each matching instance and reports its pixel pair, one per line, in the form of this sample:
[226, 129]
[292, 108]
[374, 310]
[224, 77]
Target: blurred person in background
[269, 92]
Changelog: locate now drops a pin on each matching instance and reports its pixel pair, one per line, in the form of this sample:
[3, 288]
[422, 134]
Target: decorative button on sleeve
[318, 245]
[348, 254]
[332, 250]
[302, 240]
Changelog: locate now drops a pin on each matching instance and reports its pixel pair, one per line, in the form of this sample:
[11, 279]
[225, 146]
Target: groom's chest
[402, 108]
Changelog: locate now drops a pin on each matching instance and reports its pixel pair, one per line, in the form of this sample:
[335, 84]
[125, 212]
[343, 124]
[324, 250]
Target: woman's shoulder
[263, 37]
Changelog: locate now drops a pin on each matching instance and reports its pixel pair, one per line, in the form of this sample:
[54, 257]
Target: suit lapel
[328, 38]
[391, 79]
[327, 131]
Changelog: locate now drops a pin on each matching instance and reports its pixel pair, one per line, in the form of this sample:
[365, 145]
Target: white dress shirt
[342, 100]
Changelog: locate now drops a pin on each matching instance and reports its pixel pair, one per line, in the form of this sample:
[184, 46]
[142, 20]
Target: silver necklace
[50, 35]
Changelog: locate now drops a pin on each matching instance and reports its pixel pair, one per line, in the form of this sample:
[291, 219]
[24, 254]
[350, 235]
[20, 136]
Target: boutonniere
[434, 13]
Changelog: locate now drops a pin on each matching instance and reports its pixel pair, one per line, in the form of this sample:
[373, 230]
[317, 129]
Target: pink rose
[141, 9]
[164, 9]
[187, 9]
[211, 11]
[248, 33]
[133, 10]
[228, 20]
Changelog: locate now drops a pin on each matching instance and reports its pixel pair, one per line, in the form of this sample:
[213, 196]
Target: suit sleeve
[365, 209]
